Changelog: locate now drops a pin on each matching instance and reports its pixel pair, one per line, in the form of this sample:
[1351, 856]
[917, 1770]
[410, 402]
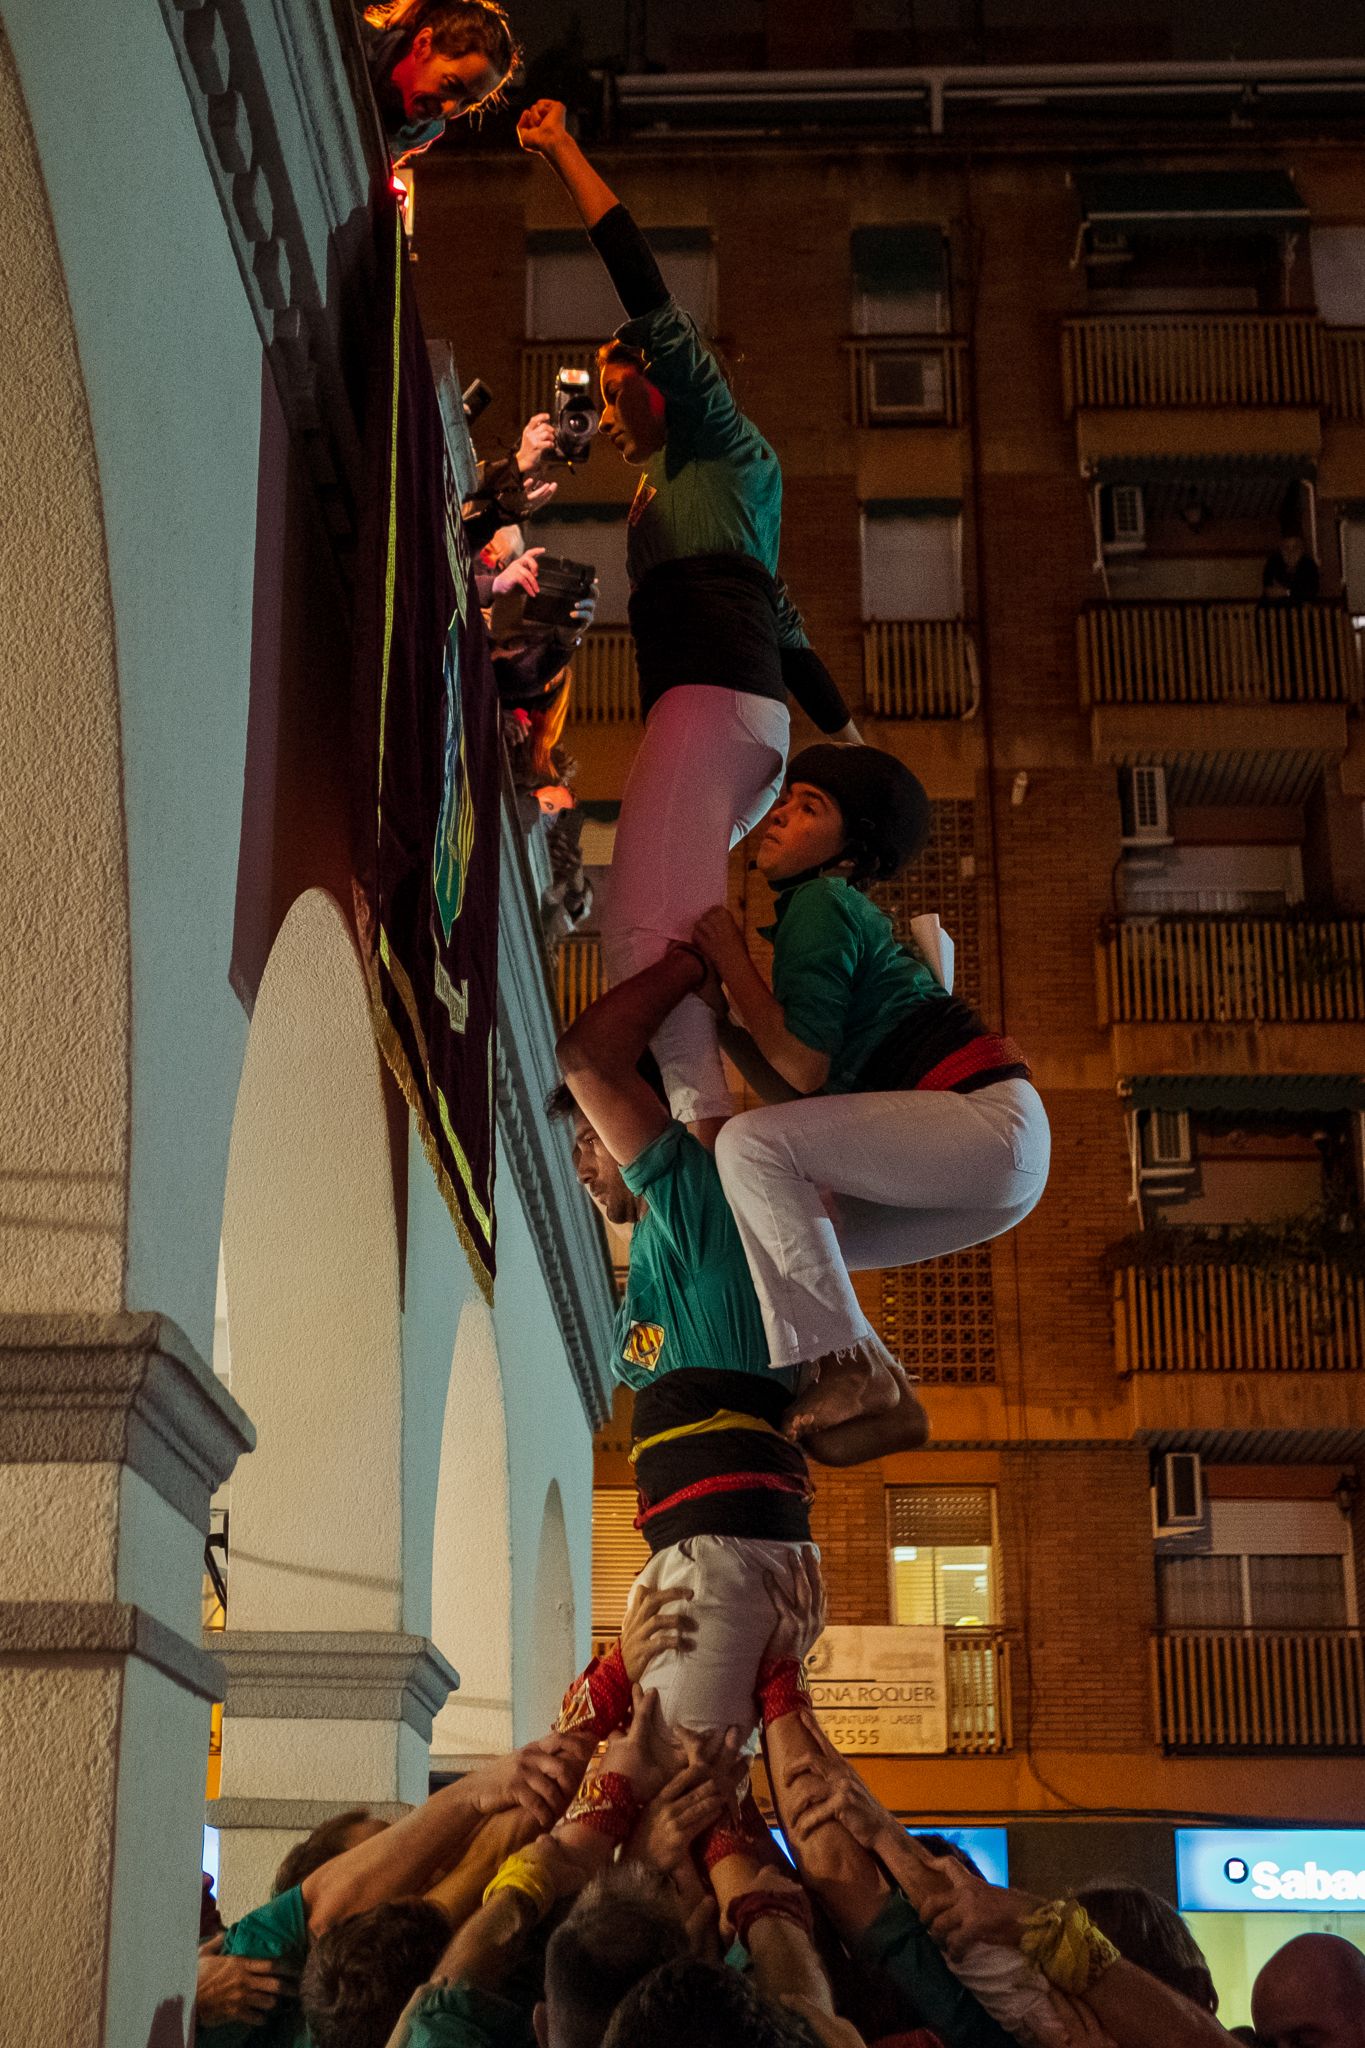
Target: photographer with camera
[513, 486]
[718, 641]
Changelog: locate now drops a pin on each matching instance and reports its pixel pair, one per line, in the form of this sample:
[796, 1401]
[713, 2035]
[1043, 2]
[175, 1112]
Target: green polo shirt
[843, 978]
[716, 486]
[899, 1943]
[689, 1300]
[461, 2016]
[278, 1932]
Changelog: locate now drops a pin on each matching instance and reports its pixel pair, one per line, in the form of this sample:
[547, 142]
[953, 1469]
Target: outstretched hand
[541, 128]
[239, 1989]
[542, 1777]
[718, 936]
[825, 1788]
[644, 1752]
[519, 574]
[537, 439]
[684, 1808]
[647, 1630]
[972, 1910]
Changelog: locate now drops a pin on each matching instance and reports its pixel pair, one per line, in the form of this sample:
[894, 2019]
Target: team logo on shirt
[644, 1342]
[643, 493]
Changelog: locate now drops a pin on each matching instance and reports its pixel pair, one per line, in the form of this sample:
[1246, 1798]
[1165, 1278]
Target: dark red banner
[427, 770]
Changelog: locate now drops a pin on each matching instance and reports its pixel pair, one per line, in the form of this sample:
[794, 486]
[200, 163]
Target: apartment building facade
[1048, 398]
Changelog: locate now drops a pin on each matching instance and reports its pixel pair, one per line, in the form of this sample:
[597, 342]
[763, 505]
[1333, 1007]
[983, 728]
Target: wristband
[781, 1689]
[598, 1701]
[789, 1904]
[525, 1874]
[750, 1838]
[606, 1803]
[1065, 1944]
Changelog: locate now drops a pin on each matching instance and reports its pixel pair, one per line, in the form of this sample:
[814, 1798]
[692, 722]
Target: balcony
[906, 380]
[1345, 349]
[1233, 970]
[980, 1722]
[1223, 1318]
[920, 668]
[1214, 652]
[605, 687]
[579, 978]
[1136, 360]
[1259, 1689]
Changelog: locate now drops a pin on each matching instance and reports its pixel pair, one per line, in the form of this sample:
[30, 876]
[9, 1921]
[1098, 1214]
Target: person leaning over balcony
[433, 61]
[718, 642]
[908, 1131]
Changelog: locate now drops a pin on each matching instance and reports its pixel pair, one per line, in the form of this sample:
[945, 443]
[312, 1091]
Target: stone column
[316, 1721]
[113, 1435]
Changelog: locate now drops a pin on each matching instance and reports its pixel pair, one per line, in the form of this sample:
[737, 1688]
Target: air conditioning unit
[905, 384]
[1166, 1146]
[1146, 821]
[1123, 519]
[1109, 247]
[1177, 1493]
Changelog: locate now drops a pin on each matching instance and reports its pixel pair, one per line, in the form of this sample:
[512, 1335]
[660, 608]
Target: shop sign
[1270, 1870]
[881, 1690]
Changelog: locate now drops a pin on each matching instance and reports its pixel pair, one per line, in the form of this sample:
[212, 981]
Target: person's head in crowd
[1311, 1994]
[448, 58]
[944, 1845]
[361, 1973]
[686, 2003]
[1146, 1930]
[622, 1926]
[598, 1173]
[343, 1831]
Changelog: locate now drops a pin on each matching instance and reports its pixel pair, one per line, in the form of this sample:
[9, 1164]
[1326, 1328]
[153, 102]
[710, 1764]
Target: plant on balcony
[1330, 1234]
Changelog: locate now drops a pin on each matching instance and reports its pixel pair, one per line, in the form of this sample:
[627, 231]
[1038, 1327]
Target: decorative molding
[332, 1675]
[119, 1389]
[293, 144]
[96, 1631]
[293, 1816]
[568, 1237]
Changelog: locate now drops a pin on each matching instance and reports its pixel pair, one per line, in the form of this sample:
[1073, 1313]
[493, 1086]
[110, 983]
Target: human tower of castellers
[615, 1882]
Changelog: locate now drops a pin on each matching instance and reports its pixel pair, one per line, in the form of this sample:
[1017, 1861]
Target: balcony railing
[920, 668]
[579, 979]
[1345, 348]
[906, 380]
[605, 690]
[1219, 1317]
[1215, 652]
[1229, 970]
[1201, 359]
[541, 363]
[1259, 1688]
[979, 1716]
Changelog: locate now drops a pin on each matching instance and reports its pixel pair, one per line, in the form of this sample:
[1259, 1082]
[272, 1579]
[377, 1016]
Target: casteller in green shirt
[461, 2016]
[276, 1932]
[899, 1943]
[689, 1300]
[843, 978]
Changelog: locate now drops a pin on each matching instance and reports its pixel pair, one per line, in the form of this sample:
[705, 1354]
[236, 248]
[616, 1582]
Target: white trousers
[839, 1183]
[743, 1588]
[708, 768]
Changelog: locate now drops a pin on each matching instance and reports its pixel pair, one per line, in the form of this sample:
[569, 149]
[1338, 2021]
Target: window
[1248, 1172]
[900, 280]
[912, 560]
[1271, 1565]
[1215, 878]
[619, 1553]
[942, 1556]
[569, 296]
[1339, 275]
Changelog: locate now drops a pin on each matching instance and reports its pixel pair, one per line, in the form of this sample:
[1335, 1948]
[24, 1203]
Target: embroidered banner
[427, 776]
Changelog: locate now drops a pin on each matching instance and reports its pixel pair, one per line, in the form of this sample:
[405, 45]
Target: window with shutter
[942, 1555]
[619, 1553]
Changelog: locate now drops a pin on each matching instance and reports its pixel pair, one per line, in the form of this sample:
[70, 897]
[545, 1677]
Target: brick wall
[1079, 1585]
[849, 1524]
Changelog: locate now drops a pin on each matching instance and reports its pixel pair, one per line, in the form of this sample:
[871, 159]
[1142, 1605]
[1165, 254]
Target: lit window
[943, 1562]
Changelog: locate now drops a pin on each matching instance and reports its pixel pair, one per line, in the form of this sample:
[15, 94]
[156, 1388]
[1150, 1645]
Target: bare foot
[839, 1387]
[902, 1428]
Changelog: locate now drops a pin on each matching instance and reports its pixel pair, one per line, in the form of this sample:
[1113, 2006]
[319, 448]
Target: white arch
[64, 946]
[471, 1598]
[551, 1660]
[310, 1247]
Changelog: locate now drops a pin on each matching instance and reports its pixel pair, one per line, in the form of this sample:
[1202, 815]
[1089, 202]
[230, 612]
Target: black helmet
[884, 805]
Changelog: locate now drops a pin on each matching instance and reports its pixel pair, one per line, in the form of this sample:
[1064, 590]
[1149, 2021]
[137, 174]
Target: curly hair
[689, 2001]
[361, 1973]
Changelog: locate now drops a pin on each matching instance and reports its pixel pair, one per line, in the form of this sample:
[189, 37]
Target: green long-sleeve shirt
[900, 1944]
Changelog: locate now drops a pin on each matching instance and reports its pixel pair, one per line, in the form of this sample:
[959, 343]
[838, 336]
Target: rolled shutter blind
[924, 1516]
[619, 1552]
